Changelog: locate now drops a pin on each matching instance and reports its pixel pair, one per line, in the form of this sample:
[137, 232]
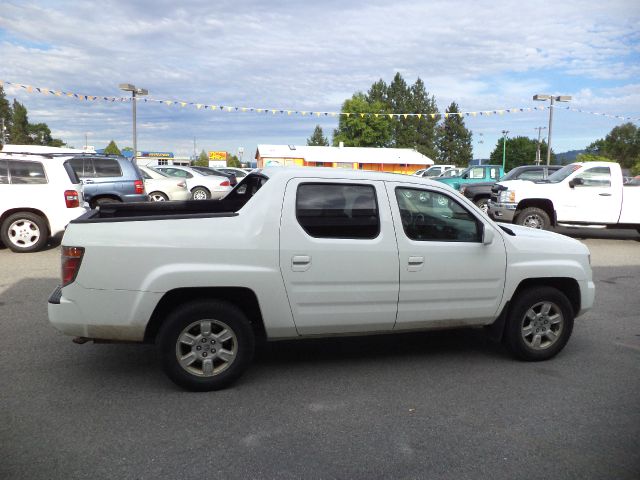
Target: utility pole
[135, 92]
[560, 98]
[504, 147]
[538, 159]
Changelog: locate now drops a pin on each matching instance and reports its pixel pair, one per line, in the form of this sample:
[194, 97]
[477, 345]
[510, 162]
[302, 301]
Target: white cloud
[302, 55]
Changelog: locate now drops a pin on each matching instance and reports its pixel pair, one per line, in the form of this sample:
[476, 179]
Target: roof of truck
[344, 173]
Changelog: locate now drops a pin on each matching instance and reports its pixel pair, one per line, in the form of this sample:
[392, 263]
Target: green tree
[6, 115]
[410, 131]
[202, 160]
[590, 157]
[112, 149]
[361, 130]
[233, 161]
[519, 151]
[19, 132]
[425, 126]
[454, 140]
[622, 145]
[318, 138]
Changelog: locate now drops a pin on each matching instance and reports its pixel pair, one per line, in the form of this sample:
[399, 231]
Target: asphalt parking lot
[432, 405]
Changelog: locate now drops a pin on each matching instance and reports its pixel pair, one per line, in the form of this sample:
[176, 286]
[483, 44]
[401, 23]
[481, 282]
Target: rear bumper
[179, 196]
[502, 212]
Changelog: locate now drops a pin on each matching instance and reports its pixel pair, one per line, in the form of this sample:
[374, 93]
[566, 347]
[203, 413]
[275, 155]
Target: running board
[572, 225]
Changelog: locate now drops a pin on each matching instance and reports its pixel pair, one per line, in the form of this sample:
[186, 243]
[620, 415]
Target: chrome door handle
[415, 263]
[300, 263]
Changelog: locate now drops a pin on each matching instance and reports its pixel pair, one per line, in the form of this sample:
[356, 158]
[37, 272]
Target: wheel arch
[35, 211]
[243, 298]
[568, 286]
[542, 203]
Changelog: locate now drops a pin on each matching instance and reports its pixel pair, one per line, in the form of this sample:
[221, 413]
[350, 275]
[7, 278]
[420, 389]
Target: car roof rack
[62, 154]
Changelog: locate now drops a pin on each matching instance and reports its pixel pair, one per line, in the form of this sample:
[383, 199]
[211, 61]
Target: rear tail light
[71, 198]
[182, 184]
[225, 184]
[71, 260]
[139, 186]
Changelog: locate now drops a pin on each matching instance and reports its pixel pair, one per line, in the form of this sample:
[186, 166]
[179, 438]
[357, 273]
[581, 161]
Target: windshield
[205, 171]
[563, 173]
[153, 170]
[512, 173]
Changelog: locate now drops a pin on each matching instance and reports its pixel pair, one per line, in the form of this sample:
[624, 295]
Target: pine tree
[6, 115]
[112, 149]
[318, 138]
[19, 133]
[424, 127]
[203, 159]
[454, 139]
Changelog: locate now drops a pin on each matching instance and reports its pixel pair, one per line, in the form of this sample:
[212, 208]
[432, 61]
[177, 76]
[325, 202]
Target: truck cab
[475, 174]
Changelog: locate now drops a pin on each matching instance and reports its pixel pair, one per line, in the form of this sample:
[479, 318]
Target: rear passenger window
[27, 172]
[4, 172]
[83, 167]
[107, 168]
[327, 210]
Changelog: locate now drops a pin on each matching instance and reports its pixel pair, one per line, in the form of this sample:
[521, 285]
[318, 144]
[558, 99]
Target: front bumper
[502, 212]
[587, 296]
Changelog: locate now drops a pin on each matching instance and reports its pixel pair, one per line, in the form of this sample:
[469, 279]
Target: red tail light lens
[71, 198]
[139, 186]
[225, 184]
[71, 260]
[182, 184]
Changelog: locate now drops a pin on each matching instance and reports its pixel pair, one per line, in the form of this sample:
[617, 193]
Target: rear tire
[539, 324]
[534, 217]
[103, 201]
[206, 345]
[200, 193]
[24, 232]
[158, 197]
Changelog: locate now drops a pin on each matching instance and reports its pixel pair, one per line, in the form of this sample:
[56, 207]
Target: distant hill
[568, 157]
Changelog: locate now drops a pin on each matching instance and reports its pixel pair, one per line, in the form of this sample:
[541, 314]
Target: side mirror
[576, 181]
[487, 234]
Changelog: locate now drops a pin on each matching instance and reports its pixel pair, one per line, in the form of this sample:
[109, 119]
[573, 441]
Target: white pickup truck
[580, 194]
[308, 252]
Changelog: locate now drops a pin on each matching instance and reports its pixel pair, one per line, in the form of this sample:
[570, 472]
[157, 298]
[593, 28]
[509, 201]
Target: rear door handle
[300, 263]
[87, 181]
[604, 194]
[415, 263]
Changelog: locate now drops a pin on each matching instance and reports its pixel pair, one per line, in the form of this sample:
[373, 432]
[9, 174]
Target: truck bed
[119, 212]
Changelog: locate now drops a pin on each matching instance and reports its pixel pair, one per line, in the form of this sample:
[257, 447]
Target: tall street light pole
[553, 98]
[504, 147]
[127, 87]
[538, 159]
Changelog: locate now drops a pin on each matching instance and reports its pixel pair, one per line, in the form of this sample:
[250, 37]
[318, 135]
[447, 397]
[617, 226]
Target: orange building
[395, 160]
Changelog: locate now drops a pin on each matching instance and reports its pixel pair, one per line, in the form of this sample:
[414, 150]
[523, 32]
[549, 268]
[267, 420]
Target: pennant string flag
[283, 111]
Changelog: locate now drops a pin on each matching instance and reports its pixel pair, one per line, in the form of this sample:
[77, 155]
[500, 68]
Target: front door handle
[300, 263]
[604, 194]
[415, 263]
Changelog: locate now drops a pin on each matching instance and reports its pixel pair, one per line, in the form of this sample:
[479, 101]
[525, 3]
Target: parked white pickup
[587, 194]
[293, 253]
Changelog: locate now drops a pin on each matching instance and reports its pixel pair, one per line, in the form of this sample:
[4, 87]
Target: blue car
[109, 179]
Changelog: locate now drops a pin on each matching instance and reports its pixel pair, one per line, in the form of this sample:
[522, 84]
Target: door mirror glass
[576, 181]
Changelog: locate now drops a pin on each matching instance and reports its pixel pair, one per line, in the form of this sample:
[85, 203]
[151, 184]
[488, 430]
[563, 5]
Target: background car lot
[438, 405]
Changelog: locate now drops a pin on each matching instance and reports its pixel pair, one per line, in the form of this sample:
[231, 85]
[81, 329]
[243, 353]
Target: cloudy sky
[302, 55]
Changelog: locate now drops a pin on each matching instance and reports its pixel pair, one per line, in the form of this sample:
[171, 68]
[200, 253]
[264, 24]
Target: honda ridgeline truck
[312, 252]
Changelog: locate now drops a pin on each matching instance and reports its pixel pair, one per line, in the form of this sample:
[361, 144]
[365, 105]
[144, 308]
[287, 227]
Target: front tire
[483, 204]
[539, 324]
[24, 232]
[534, 217]
[206, 345]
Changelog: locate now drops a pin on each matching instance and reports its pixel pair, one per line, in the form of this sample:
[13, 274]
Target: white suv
[39, 195]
